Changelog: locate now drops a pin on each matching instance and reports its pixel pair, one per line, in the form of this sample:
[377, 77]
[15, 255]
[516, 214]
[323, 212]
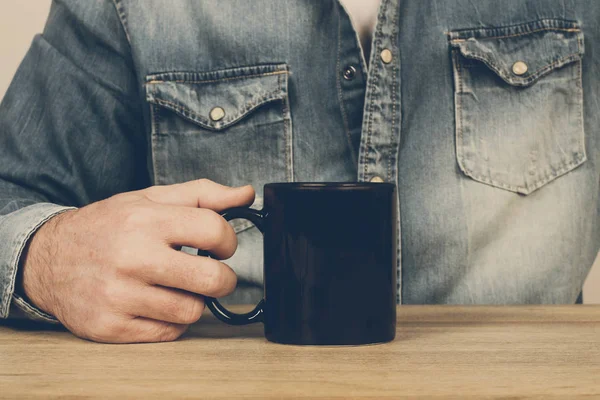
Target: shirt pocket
[519, 103]
[232, 126]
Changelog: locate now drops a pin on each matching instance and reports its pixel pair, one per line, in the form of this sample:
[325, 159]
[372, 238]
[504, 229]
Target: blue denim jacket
[485, 114]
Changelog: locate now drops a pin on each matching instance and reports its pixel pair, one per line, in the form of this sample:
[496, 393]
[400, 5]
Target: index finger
[201, 193]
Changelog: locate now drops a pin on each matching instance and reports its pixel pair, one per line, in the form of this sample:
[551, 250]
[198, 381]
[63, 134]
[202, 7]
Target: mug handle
[219, 311]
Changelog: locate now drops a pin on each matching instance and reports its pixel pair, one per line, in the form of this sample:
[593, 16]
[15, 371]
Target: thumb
[202, 193]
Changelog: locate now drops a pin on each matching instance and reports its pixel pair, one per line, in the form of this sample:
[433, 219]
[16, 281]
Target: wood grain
[540, 352]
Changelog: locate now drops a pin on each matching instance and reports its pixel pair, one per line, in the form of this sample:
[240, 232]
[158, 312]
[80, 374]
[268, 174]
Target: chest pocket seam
[158, 93]
[474, 44]
[240, 91]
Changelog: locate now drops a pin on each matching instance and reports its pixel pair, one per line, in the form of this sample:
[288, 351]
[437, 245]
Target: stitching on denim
[201, 75]
[339, 90]
[122, 19]
[393, 147]
[288, 134]
[579, 158]
[153, 138]
[186, 112]
[565, 167]
[367, 143]
[518, 34]
[543, 21]
[536, 185]
[195, 117]
[375, 68]
[459, 119]
[30, 309]
[540, 72]
[156, 81]
[582, 145]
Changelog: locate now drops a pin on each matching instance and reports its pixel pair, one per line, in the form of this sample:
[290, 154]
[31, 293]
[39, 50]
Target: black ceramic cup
[330, 253]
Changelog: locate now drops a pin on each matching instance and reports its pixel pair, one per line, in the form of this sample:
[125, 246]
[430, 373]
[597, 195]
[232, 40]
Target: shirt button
[349, 73]
[217, 114]
[386, 56]
[519, 68]
[377, 179]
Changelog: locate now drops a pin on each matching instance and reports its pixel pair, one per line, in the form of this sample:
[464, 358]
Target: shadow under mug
[330, 263]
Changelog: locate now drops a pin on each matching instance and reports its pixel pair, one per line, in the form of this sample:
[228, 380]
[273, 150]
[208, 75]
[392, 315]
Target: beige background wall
[20, 20]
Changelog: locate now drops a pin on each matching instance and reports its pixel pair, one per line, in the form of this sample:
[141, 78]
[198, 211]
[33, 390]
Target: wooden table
[545, 352]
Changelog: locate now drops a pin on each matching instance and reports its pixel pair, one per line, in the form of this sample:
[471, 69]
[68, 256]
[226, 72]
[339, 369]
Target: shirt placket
[379, 143]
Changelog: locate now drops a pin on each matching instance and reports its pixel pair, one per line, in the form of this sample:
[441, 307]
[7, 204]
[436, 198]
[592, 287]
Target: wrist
[37, 265]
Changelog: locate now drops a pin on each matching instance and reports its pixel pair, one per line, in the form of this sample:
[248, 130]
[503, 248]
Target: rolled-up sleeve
[71, 130]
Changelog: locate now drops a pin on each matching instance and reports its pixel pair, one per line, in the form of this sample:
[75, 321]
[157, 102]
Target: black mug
[330, 262]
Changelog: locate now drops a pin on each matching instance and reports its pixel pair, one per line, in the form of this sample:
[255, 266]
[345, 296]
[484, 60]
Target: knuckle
[183, 311]
[203, 183]
[125, 262]
[121, 198]
[151, 191]
[214, 280]
[231, 247]
[106, 294]
[139, 216]
[231, 281]
[173, 309]
[148, 270]
[216, 229]
[220, 280]
[191, 311]
[168, 333]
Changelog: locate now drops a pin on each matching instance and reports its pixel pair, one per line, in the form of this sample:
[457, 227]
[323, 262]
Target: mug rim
[330, 185]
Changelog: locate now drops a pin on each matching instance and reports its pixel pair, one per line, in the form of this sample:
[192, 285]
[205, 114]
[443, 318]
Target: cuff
[21, 309]
[15, 230]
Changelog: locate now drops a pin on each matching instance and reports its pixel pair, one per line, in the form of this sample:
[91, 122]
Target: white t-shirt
[363, 14]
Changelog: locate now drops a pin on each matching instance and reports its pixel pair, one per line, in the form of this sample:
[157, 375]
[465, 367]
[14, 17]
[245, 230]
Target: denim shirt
[485, 114]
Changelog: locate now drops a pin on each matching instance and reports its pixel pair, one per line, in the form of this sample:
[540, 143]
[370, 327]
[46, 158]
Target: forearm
[70, 129]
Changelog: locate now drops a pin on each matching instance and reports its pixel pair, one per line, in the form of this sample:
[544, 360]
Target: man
[125, 114]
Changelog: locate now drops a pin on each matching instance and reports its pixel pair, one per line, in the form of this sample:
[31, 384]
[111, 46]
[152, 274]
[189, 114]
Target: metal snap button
[519, 68]
[386, 56]
[349, 73]
[217, 114]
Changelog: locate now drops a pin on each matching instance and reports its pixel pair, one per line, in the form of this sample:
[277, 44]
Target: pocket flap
[521, 54]
[231, 93]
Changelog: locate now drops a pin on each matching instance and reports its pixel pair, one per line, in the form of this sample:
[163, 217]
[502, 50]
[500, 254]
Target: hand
[112, 272]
